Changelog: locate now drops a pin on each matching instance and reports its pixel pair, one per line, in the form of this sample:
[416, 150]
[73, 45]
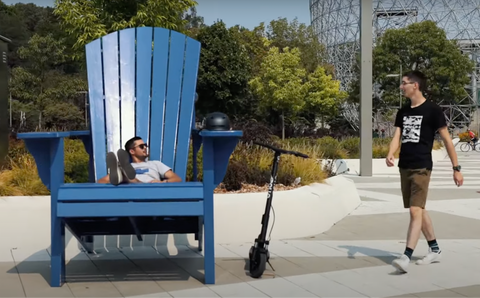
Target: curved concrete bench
[301, 212]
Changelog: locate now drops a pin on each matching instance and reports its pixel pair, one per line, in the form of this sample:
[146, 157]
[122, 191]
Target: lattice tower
[337, 23]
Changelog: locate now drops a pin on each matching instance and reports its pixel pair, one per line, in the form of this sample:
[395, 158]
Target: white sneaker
[431, 257]
[401, 264]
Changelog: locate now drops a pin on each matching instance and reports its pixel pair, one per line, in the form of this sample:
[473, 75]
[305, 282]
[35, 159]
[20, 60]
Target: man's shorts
[414, 184]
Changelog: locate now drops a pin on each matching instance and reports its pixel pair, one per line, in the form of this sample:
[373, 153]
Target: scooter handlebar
[282, 151]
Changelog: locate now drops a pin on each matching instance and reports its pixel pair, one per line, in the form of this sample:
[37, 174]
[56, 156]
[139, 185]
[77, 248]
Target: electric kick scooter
[259, 254]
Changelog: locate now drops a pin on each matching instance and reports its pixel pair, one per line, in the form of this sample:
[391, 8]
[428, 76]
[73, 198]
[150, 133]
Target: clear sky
[247, 13]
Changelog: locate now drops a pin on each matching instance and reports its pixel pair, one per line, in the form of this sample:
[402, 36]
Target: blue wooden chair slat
[112, 93]
[142, 82]
[174, 89]
[127, 83]
[192, 52]
[101, 209]
[144, 74]
[97, 109]
[160, 68]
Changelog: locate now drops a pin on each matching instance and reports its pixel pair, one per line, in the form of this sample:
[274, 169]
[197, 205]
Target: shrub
[76, 162]
[331, 148]
[249, 164]
[19, 176]
[351, 146]
[22, 178]
[437, 145]
[253, 131]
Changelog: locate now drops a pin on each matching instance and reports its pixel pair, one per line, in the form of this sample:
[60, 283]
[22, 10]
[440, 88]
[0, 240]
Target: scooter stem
[266, 216]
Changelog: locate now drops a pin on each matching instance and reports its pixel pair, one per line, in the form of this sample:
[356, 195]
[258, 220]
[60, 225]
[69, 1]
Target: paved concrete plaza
[352, 259]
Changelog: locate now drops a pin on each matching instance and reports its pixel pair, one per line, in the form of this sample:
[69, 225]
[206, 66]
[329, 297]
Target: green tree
[254, 43]
[324, 96]
[88, 20]
[224, 72]
[42, 85]
[13, 27]
[421, 46]
[280, 83]
[293, 34]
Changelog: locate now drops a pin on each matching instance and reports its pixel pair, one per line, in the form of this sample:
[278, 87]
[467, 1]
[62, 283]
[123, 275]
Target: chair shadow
[384, 256]
[147, 260]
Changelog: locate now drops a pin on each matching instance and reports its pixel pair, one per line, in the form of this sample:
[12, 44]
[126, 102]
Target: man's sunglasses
[142, 146]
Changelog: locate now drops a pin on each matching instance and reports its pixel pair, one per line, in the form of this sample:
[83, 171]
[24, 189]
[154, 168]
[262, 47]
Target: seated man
[140, 170]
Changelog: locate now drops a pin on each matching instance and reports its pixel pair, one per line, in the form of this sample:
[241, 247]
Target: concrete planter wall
[302, 212]
[378, 164]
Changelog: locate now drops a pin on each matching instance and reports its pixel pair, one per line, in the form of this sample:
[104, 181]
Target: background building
[337, 25]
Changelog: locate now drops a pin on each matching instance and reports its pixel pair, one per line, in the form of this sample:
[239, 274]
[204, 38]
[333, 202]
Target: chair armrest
[47, 149]
[52, 135]
[221, 134]
[218, 146]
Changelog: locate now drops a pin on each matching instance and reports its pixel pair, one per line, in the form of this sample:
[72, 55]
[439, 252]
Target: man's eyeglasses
[142, 146]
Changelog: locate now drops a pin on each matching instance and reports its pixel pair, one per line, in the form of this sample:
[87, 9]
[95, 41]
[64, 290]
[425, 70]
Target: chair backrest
[142, 82]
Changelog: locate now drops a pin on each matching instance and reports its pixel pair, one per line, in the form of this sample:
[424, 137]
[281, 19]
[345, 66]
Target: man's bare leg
[413, 234]
[415, 227]
[414, 191]
[434, 253]
[427, 226]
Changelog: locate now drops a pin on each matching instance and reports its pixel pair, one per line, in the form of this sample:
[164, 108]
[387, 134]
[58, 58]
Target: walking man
[416, 125]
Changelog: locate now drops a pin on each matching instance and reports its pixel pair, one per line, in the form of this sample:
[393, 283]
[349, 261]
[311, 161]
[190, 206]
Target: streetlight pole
[366, 78]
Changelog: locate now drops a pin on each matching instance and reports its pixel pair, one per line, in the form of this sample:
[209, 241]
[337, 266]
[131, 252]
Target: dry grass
[249, 167]
[21, 179]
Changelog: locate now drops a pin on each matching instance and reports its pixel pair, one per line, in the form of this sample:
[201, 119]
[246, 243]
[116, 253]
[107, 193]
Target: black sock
[433, 245]
[408, 252]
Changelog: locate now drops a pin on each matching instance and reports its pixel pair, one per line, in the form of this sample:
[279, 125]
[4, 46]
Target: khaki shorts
[414, 183]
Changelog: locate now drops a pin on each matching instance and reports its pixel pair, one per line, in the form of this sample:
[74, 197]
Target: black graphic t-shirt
[418, 126]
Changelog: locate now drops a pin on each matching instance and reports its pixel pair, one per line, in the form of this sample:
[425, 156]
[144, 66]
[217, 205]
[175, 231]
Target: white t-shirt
[150, 170]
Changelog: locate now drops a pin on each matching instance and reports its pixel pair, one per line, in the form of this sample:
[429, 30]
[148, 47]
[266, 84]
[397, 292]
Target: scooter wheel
[258, 263]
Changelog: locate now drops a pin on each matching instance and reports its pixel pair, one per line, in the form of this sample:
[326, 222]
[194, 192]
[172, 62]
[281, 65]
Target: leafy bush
[76, 162]
[252, 164]
[22, 178]
[249, 164]
[351, 146]
[331, 148]
[19, 175]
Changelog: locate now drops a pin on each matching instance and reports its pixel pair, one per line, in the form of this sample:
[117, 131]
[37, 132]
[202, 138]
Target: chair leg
[200, 233]
[209, 254]
[57, 259]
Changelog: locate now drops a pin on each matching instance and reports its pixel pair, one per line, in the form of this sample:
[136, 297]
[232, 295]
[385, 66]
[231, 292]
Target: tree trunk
[283, 126]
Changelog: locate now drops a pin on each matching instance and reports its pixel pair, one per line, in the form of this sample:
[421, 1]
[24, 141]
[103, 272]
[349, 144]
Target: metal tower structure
[336, 23]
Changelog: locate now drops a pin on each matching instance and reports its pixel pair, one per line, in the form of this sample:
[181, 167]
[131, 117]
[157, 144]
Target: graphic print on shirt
[140, 171]
[411, 129]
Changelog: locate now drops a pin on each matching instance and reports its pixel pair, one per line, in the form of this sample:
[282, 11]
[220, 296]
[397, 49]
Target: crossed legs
[119, 169]
[414, 191]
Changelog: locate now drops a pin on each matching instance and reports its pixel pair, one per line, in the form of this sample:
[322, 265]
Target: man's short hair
[130, 143]
[417, 77]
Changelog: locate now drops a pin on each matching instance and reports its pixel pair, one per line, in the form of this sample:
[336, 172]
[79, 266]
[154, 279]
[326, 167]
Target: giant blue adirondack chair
[141, 83]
